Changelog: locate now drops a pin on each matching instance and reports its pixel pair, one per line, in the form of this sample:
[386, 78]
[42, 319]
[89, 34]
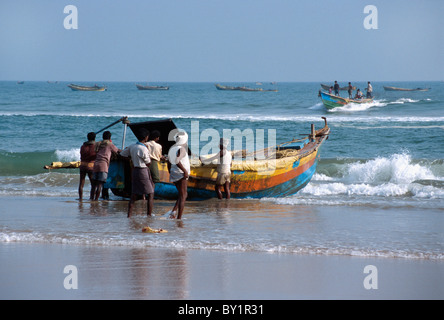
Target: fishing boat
[222, 87]
[147, 87]
[76, 87]
[278, 171]
[404, 89]
[20, 82]
[285, 170]
[243, 88]
[327, 87]
[331, 101]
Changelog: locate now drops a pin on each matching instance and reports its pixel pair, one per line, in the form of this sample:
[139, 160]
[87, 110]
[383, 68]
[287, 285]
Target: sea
[378, 190]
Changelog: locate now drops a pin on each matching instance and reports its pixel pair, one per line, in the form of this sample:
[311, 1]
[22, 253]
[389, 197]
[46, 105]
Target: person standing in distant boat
[104, 150]
[223, 169]
[336, 87]
[179, 168]
[350, 91]
[369, 90]
[141, 182]
[87, 158]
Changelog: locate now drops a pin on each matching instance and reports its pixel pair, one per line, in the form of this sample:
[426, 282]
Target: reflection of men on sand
[223, 169]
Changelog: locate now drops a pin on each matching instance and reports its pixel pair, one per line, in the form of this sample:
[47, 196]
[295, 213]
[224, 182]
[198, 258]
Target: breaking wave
[373, 182]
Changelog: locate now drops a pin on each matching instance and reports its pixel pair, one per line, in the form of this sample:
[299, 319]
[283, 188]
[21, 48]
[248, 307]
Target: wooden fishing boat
[76, 87]
[327, 87]
[331, 101]
[141, 87]
[386, 88]
[284, 170]
[288, 168]
[222, 87]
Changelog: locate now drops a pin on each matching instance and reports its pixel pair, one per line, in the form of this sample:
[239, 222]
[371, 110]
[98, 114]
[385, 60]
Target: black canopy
[163, 126]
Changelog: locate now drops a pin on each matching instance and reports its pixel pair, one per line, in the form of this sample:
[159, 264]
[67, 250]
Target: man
[155, 150]
[141, 183]
[336, 87]
[87, 158]
[179, 168]
[350, 91]
[104, 150]
[223, 169]
[369, 90]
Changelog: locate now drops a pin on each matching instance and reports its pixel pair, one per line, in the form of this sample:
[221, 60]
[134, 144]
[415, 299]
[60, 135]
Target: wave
[29, 163]
[353, 107]
[87, 239]
[248, 117]
[377, 181]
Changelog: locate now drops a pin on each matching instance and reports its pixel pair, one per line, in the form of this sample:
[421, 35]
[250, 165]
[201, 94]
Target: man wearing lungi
[142, 183]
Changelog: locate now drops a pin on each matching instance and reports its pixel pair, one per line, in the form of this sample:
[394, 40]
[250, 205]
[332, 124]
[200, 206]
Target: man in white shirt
[369, 90]
[141, 183]
[223, 169]
[155, 149]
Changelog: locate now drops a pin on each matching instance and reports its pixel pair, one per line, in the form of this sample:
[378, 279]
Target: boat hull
[404, 89]
[75, 87]
[331, 101]
[140, 87]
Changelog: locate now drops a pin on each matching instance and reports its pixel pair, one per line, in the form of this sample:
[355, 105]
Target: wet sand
[36, 271]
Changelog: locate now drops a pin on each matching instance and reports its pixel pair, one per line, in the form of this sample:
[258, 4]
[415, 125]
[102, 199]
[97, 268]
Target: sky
[222, 40]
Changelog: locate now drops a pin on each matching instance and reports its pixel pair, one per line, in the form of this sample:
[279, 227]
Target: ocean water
[378, 189]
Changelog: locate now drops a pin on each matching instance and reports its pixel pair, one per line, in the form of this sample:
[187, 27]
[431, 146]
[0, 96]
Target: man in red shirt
[87, 158]
[104, 149]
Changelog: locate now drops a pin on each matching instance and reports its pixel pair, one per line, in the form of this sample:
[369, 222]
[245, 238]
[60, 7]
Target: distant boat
[76, 87]
[331, 101]
[20, 82]
[403, 89]
[52, 81]
[140, 87]
[221, 87]
[327, 87]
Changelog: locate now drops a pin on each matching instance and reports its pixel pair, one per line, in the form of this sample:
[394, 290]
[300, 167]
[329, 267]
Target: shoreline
[114, 260]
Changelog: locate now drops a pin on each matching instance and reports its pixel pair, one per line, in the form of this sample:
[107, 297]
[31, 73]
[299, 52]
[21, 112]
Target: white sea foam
[258, 117]
[8, 236]
[68, 155]
[367, 182]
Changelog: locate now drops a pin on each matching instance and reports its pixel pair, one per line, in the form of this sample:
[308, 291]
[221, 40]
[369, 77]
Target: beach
[135, 266]
[368, 225]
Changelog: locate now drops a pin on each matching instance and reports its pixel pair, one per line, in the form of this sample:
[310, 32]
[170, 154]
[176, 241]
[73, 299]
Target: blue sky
[222, 40]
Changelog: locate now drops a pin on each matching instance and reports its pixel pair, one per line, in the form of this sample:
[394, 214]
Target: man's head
[143, 134]
[91, 136]
[106, 135]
